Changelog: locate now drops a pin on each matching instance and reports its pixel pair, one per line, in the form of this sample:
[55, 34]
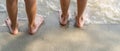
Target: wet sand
[52, 37]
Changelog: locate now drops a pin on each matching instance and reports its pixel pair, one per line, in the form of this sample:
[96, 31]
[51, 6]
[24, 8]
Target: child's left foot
[13, 29]
[63, 20]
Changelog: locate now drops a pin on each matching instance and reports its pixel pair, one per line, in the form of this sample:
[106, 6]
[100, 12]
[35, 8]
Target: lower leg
[12, 13]
[34, 21]
[81, 4]
[31, 12]
[64, 8]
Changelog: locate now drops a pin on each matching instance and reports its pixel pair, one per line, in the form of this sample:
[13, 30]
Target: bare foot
[79, 22]
[13, 29]
[38, 22]
[63, 19]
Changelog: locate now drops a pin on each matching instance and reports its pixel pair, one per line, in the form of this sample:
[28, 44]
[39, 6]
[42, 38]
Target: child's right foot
[79, 22]
[38, 22]
[13, 29]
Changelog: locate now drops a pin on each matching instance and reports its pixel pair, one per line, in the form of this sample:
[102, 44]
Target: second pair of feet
[79, 21]
[32, 28]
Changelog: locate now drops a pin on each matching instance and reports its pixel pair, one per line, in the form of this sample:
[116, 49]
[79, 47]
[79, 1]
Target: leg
[12, 13]
[64, 7]
[31, 13]
[81, 4]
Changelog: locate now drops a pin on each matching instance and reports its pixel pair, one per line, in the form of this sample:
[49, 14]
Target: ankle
[79, 18]
[64, 15]
[32, 25]
[14, 26]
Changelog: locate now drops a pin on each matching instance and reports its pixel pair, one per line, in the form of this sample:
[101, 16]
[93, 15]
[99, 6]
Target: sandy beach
[52, 37]
[100, 33]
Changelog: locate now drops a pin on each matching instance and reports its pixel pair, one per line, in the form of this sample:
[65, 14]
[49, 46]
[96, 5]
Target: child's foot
[38, 22]
[13, 29]
[79, 22]
[63, 20]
